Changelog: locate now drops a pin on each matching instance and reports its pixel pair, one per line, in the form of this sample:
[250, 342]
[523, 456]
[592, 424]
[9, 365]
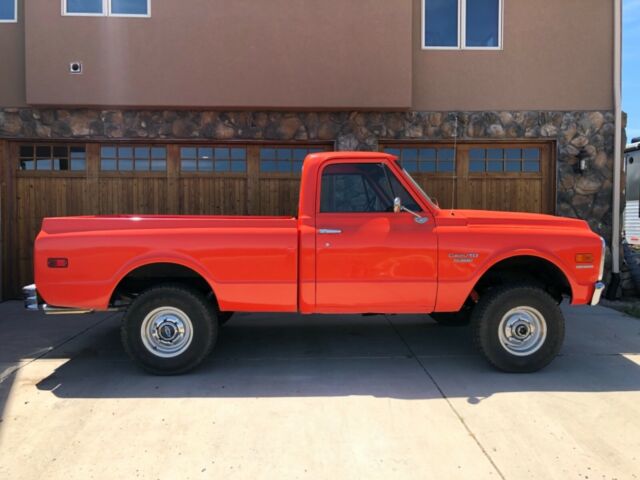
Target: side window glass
[355, 188]
[400, 191]
[361, 188]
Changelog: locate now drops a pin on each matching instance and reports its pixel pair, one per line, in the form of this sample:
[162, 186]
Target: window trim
[15, 14]
[106, 11]
[462, 30]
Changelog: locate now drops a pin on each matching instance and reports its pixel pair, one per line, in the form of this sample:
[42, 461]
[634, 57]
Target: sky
[631, 66]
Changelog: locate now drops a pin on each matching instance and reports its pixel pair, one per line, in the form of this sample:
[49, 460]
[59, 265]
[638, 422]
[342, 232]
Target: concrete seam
[444, 396]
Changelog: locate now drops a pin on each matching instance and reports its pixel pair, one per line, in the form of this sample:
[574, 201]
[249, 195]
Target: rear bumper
[597, 293]
[30, 295]
[33, 304]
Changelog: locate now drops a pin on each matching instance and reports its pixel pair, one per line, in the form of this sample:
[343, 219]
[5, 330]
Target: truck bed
[250, 262]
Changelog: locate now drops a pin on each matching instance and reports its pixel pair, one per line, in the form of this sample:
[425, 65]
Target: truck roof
[323, 156]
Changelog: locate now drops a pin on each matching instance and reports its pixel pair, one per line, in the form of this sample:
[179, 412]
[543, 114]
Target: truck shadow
[404, 357]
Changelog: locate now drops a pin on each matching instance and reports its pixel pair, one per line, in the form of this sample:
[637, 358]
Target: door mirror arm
[398, 207]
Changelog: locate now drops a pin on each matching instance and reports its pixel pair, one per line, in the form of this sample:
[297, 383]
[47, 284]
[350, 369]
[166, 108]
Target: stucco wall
[557, 55]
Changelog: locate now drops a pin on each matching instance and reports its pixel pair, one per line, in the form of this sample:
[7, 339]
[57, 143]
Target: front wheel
[169, 329]
[518, 328]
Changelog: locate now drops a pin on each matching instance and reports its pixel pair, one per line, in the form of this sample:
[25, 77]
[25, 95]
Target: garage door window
[205, 159]
[498, 160]
[284, 159]
[425, 160]
[130, 158]
[52, 158]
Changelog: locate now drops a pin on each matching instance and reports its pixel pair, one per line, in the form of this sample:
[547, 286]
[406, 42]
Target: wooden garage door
[60, 179]
[488, 176]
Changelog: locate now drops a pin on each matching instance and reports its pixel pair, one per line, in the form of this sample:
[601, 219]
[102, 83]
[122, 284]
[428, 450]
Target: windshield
[415, 184]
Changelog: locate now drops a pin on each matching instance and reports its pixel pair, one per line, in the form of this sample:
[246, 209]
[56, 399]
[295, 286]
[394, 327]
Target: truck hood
[485, 217]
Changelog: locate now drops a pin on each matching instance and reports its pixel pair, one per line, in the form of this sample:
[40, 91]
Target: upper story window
[113, 8]
[8, 11]
[462, 24]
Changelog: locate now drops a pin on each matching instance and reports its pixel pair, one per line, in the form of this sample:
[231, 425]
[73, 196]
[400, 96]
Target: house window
[425, 160]
[8, 11]
[462, 24]
[53, 158]
[284, 160]
[129, 158]
[115, 8]
[213, 159]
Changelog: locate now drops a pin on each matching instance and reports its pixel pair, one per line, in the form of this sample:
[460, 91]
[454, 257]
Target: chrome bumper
[597, 293]
[32, 303]
[30, 295]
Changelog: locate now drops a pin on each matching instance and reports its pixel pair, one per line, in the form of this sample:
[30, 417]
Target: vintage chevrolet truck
[367, 240]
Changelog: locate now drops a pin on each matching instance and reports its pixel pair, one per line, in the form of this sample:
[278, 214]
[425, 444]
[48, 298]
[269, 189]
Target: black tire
[486, 320]
[190, 308]
[452, 319]
[224, 317]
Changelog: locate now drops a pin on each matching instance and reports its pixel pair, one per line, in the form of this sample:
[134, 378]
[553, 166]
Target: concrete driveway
[286, 396]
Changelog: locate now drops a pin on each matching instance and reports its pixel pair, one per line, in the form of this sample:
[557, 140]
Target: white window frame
[106, 11]
[462, 30]
[15, 14]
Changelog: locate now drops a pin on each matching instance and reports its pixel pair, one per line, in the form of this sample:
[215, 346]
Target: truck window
[361, 188]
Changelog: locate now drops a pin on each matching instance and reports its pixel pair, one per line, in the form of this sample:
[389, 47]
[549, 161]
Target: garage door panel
[508, 176]
[212, 196]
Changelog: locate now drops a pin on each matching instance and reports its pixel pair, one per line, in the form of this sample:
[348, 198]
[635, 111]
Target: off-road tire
[203, 323]
[489, 312]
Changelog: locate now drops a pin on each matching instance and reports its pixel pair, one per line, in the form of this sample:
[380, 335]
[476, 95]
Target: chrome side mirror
[397, 205]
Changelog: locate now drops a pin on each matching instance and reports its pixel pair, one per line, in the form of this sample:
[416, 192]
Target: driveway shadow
[404, 357]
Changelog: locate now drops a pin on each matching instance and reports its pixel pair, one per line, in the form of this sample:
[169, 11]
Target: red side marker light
[57, 262]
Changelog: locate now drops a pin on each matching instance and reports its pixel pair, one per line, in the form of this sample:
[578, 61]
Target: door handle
[329, 231]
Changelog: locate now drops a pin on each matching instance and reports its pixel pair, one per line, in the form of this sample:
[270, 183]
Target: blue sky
[631, 66]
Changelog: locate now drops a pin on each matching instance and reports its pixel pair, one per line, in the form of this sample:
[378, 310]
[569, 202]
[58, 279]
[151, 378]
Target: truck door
[368, 258]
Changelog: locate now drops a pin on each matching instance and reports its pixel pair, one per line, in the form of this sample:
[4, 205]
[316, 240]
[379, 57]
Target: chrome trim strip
[597, 293]
[329, 231]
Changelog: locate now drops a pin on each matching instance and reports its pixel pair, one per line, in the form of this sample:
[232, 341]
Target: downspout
[617, 155]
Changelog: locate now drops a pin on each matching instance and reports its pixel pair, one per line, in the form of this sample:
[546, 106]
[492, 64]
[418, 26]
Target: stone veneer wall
[586, 195]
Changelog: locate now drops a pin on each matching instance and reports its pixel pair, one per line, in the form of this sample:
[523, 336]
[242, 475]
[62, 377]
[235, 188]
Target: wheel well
[526, 269]
[142, 278]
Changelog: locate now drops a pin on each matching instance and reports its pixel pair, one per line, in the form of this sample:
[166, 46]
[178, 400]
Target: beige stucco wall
[221, 53]
[306, 54]
[557, 55]
[12, 79]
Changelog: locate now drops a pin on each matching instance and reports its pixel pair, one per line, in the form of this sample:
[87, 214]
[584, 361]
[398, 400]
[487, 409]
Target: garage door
[60, 179]
[491, 176]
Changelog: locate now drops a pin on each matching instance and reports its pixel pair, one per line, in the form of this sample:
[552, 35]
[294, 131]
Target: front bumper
[597, 293]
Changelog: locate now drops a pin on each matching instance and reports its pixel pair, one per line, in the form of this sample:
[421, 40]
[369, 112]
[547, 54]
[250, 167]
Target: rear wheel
[518, 328]
[169, 329]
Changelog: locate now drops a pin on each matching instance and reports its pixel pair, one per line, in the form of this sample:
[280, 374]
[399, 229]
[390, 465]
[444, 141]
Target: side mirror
[397, 208]
[397, 205]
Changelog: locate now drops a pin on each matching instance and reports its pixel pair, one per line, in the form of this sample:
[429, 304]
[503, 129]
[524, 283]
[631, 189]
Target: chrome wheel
[166, 332]
[522, 331]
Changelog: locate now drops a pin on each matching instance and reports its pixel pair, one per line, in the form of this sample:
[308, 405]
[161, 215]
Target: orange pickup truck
[367, 240]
